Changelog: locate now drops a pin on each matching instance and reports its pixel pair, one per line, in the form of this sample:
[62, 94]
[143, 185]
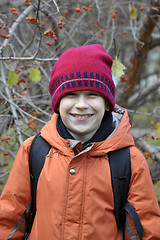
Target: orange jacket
[79, 206]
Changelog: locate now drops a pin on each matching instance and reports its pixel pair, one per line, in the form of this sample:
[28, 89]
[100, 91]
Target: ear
[107, 106]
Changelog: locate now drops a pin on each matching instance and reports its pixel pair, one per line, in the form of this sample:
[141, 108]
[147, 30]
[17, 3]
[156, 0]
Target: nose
[81, 102]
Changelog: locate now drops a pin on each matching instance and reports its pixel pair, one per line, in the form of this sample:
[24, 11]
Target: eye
[70, 94]
[93, 94]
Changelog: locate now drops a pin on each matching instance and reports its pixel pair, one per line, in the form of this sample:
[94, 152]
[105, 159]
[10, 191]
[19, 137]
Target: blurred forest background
[34, 33]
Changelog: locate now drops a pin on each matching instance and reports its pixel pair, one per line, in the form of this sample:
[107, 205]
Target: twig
[133, 31]
[28, 59]
[98, 9]
[143, 93]
[142, 113]
[12, 106]
[4, 174]
[21, 110]
[58, 11]
[112, 35]
[15, 25]
[27, 100]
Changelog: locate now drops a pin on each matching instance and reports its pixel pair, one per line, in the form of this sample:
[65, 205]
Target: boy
[74, 192]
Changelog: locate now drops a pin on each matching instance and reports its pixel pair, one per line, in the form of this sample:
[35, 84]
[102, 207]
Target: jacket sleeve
[16, 196]
[143, 198]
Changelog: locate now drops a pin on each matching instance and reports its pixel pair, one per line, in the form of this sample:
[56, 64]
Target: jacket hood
[120, 137]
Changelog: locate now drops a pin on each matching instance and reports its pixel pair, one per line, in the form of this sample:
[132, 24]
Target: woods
[33, 34]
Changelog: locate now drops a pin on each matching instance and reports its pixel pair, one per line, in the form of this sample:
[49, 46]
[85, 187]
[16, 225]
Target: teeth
[82, 116]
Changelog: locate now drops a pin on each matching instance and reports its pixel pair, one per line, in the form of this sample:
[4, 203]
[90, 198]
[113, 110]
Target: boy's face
[82, 113]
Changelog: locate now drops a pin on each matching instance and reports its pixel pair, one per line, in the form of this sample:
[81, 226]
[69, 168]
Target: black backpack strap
[120, 173]
[120, 165]
[38, 151]
[134, 216]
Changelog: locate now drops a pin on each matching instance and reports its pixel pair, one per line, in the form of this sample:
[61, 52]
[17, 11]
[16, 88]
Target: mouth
[81, 116]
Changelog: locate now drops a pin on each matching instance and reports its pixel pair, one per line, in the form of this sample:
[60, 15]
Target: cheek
[64, 105]
[103, 107]
[67, 102]
[100, 105]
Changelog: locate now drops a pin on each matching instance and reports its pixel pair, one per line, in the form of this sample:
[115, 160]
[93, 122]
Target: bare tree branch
[14, 112]
[146, 147]
[140, 54]
[154, 42]
[135, 99]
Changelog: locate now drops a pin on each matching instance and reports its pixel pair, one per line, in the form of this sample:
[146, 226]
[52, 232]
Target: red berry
[66, 12]
[5, 153]
[78, 10]
[97, 23]
[123, 78]
[85, 8]
[113, 15]
[49, 44]
[8, 36]
[101, 31]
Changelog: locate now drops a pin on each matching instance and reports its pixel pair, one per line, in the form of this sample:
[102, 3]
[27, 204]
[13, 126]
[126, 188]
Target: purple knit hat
[86, 68]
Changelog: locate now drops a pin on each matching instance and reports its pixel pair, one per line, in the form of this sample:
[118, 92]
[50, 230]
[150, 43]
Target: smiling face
[82, 113]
